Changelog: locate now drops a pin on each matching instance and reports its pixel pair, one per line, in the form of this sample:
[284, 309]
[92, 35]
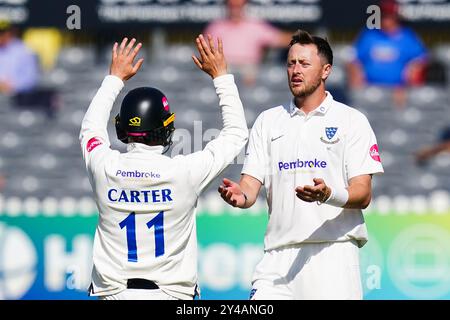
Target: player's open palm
[319, 192]
[231, 192]
[211, 60]
[122, 64]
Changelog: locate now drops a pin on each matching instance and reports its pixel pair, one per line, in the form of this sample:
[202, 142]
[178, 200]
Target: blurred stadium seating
[41, 156]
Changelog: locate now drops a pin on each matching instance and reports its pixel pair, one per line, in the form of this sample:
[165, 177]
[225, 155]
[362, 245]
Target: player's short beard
[308, 88]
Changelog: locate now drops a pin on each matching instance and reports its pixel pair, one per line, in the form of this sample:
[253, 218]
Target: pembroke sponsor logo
[140, 196]
[137, 174]
[301, 164]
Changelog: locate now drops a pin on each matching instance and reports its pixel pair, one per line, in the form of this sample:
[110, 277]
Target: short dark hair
[323, 47]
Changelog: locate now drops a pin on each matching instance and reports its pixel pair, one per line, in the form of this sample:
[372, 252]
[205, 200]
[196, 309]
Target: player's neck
[236, 16]
[236, 20]
[311, 102]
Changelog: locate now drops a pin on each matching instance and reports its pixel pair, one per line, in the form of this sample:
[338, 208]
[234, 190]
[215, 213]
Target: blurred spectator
[46, 43]
[246, 39]
[443, 145]
[392, 56]
[20, 73]
[19, 70]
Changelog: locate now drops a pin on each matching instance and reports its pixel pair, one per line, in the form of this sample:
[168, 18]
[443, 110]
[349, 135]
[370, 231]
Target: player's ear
[326, 70]
[121, 134]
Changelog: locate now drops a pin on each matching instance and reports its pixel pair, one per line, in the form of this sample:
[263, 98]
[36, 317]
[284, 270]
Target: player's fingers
[312, 189]
[211, 44]
[313, 193]
[205, 45]
[226, 194]
[222, 190]
[300, 195]
[220, 45]
[318, 181]
[228, 182]
[201, 49]
[227, 199]
[122, 45]
[306, 193]
[197, 62]
[135, 51]
[229, 194]
[129, 46]
[114, 50]
[304, 197]
[222, 195]
[138, 65]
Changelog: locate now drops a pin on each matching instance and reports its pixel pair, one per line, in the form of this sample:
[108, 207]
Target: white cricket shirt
[288, 149]
[147, 201]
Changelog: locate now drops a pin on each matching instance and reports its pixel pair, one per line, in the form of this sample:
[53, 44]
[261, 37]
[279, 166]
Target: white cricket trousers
[309, 271]
[139, 294]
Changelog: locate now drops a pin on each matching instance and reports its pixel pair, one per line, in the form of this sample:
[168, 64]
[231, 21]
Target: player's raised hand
[232, 194]
[122, 64]
[319, 192]
[211, 60]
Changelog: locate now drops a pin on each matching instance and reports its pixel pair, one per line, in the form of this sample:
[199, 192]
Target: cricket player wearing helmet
[145, 244]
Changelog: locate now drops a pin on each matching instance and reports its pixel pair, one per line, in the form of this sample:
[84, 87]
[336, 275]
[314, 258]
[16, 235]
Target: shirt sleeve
[361, 153]
[256, 161]
[27, 73]
[207, 164]
[94, 135]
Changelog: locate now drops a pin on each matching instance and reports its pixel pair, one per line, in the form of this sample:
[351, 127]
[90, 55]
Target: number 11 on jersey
[130, 224]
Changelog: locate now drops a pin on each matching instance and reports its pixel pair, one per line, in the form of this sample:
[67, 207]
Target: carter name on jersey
[144, 196]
